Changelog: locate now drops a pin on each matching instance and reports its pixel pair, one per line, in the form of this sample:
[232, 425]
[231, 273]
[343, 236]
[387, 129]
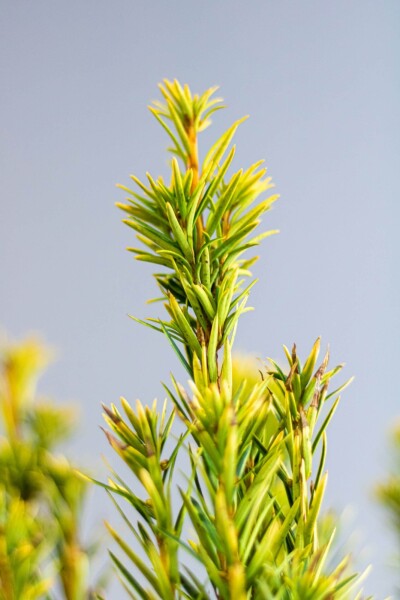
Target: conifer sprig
[248, 510]
[198, 227]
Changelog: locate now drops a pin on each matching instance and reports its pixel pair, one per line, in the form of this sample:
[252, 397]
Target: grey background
[321, 83]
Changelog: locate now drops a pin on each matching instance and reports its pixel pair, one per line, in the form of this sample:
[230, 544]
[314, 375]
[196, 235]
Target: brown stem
[193, 163]
[193, 157]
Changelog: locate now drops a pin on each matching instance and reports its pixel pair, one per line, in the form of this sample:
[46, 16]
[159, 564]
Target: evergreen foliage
[388, 493]
[41, 493]
[248, 511]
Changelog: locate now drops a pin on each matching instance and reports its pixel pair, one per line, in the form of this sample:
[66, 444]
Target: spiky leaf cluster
[198, 226]
[247, 509]
[41, 494]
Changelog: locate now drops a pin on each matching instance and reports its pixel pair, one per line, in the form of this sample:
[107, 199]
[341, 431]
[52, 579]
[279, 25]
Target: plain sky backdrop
[321, 82]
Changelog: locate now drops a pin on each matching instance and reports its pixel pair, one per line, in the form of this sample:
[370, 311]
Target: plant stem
[193, 163]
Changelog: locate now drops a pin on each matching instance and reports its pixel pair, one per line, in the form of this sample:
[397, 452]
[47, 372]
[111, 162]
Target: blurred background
[321, 82]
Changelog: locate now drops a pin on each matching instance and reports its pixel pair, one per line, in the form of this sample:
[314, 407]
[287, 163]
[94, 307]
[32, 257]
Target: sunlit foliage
[388, 493]
[41, 493]
[247, 512]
